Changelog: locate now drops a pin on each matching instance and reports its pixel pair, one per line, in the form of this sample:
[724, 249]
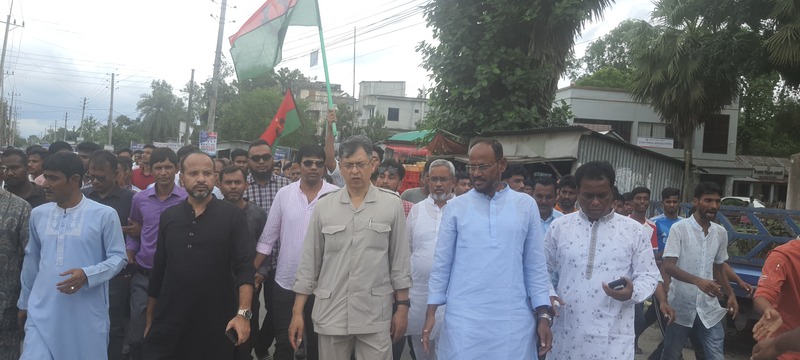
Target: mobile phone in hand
[231, 334]
[618, 284]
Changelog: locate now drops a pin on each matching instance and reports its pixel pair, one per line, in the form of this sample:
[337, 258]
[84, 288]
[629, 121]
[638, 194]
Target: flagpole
[325, 66]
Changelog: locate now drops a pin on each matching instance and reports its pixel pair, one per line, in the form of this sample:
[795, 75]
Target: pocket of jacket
[379, 236]
[334, 241]
[382, 299]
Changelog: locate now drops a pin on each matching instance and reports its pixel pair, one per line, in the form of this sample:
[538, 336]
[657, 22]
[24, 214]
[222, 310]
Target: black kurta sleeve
[160, 259]
[243, 252]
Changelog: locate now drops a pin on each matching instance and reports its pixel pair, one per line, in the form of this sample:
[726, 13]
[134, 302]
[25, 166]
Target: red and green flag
[256, 47]
[285, 121]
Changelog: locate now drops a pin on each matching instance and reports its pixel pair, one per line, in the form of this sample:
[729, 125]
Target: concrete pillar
[793, 194]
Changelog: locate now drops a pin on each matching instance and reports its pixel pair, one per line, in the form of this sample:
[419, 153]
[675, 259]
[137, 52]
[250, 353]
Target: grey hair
[443, 162]
[349, 147]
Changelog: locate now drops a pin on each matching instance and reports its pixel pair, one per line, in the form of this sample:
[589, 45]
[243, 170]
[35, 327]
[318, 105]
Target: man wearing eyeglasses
[102, 179]
[287, 224]
[262, 186]
[489, 269]
[355, 261]
[389, 176]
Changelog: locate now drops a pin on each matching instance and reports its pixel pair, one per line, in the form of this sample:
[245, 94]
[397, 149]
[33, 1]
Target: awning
[520, 160]
[408, 150]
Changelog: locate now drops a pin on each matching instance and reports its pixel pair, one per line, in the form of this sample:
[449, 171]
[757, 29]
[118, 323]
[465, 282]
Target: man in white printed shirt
[287, 222]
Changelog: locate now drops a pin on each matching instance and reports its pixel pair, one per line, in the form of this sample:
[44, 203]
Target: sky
[68, 50]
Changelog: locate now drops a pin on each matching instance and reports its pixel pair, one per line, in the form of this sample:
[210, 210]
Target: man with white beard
[423, 226]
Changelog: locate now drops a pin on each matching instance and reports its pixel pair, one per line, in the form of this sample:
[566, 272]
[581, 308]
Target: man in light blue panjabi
[75, 248]
[489, 268]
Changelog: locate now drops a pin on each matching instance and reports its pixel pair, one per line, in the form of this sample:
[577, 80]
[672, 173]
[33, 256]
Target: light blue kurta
[75, 326]
[489, 268]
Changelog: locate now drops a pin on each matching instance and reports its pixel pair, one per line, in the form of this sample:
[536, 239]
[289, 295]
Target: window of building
[653, 130]
[393, 115]
[416, 111]
[715, 135]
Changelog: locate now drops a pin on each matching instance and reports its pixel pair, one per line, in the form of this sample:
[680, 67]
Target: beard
[442, 197]
[200, 194]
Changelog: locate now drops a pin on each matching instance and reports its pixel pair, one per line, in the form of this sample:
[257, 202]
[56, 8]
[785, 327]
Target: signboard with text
[648, 142]
[208, 142]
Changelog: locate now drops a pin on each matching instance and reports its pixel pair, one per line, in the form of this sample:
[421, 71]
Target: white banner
[654, 143]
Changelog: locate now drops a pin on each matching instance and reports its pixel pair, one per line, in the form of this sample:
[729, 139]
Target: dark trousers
[282, 304]
[266, 333]
[699, 354]
[118, 311]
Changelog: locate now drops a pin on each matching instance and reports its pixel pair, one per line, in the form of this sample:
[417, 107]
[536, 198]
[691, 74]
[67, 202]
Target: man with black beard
[233, 184]
[204, 257]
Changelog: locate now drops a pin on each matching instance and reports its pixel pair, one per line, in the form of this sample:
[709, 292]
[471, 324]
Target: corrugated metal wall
[633, 168]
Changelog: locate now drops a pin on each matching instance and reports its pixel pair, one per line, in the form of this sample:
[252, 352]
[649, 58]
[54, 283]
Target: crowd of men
[166, 255]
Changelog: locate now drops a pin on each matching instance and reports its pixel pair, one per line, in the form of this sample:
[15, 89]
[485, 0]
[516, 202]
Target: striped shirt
[263, 196]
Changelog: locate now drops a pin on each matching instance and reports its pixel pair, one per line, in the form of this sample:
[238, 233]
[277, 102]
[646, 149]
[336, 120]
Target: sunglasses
[318, 163]
[259, 158]
[391, 169]
[93, 178]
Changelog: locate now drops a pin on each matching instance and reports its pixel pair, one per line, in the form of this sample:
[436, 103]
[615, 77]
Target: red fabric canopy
[408, 150]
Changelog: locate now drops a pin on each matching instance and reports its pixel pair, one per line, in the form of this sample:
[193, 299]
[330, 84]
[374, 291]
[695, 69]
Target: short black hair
[545, 181]
[310, 150]
[238, 152]
[707, 188]
[16, 152]
[628, 196]
[103, 157]
[515, 170]
[462, 175]
[669, 192]
[186, 150]
[567, 181]
[67, 163]
[258, 142]
[59, 145]
[595, 170]
[29, 148]
[391, 163]
[380, 152]
[87, 147]
[287, 165]
[126, 162]
[350, 146]
[137, 152]
[639, 190]
[37, 150]
[163, 154]
[149, 146]
[276, 165]
[120, 151]
[183, 159]
[497, 147]
[618, 196]
[230, 169]
[528, 182]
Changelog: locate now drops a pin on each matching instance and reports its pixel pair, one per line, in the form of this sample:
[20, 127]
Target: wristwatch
[402, 302]
[245, 313]
[547, 317]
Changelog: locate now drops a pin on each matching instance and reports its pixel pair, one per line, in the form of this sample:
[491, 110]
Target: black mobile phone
[231, 334]
[618, 284]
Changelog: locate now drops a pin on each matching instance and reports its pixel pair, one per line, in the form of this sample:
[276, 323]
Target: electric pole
[111, 110]
[9, 135]
[66, 116]
[55, 129]
[80, 127]
[212, 103]
[4, 115]
[190, 119]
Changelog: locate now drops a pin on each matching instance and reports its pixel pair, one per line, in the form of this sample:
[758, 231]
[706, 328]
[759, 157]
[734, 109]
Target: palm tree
[160, 111]
[686, 70]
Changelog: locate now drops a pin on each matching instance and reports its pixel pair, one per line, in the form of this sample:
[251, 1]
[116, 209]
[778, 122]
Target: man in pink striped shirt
[287, 222]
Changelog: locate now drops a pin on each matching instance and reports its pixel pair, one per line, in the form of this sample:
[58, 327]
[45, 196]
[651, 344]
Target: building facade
[388, 99]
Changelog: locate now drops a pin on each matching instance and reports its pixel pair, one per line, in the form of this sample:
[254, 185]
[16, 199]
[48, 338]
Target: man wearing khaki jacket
[356, 263]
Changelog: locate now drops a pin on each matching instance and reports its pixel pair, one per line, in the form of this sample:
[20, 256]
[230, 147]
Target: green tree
[160, 111]
[346, 119]
[686, 70]
[496, 63]
[375, 128]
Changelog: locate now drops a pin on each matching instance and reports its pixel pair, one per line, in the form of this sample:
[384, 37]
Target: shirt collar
[75, 208]
[176, 191]
[372, 195]
[604, 218]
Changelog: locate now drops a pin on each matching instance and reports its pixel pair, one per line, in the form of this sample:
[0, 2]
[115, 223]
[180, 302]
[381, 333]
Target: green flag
[256, 47]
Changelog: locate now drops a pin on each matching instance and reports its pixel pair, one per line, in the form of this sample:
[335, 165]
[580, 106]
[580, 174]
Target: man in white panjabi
[588, 249]
[423, 227]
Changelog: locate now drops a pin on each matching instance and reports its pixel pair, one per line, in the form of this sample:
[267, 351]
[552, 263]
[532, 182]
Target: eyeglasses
[436, 179]
[93, 178]
[318, 163]
[482, 167]
[259, 158]
[391, 169]
[350, 166]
